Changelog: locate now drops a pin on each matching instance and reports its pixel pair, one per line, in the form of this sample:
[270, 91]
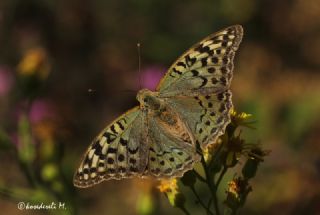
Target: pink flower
[41, 110]
[151, 76]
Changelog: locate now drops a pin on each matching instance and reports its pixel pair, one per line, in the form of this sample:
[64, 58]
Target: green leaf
[26, 147]
[189, 179]
[179, 200]
[250, 168]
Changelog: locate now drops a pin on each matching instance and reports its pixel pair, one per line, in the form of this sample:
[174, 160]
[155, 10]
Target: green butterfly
[190, 106]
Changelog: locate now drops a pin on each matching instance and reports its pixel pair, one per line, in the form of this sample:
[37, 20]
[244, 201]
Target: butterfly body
[190, 106]
[149, 100]
[156, 108]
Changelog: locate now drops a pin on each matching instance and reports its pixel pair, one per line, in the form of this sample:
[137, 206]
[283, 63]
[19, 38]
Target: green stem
[200, 201]
[27, 170]
[185, 211]
[210, 182]
[224, 170]
[209, 203]
[199, 176]
[216, 157]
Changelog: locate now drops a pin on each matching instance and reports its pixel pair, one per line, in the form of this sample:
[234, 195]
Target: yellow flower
[170, 188]
[168, 185]
[238, 190]
[240, 116]
[241, 119]
[233, 188]
[33, 62]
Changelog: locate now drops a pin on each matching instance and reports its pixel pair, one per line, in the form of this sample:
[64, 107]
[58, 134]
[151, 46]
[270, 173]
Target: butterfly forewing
[116, 152]
[205, 68]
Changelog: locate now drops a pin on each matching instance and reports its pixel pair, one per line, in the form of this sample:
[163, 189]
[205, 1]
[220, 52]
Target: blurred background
[68, 68]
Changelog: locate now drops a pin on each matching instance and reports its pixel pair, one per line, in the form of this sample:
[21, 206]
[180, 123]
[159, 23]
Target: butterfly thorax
[149, 99]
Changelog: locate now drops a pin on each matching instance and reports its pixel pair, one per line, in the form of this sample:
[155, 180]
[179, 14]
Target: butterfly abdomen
[172, 122]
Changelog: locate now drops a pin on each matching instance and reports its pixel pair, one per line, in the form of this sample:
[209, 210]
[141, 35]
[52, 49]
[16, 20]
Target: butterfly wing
[206, 115]
[205, 68]
[197, 84]
[198, 105]
[172, 149]
[116, 152]
[136, 145]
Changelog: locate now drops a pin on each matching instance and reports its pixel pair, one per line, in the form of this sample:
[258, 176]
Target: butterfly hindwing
[116, 152]
[204, 68]
[206, 115]
[171, 147]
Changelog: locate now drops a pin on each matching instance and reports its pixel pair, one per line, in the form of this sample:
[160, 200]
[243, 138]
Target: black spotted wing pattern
[205, 68]
[116, 152]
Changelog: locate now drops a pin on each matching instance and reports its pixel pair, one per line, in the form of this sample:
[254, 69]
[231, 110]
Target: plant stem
[210, 182]
[199, 176]
[209, 203]
[28, 172]
[200, 201]
[185, 211]
[224, 170]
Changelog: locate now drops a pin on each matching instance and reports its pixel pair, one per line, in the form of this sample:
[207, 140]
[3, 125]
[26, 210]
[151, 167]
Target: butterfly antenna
[139, 65]
[139, 71]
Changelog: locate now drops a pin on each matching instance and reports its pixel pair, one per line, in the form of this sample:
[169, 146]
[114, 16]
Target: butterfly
[191, 106]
